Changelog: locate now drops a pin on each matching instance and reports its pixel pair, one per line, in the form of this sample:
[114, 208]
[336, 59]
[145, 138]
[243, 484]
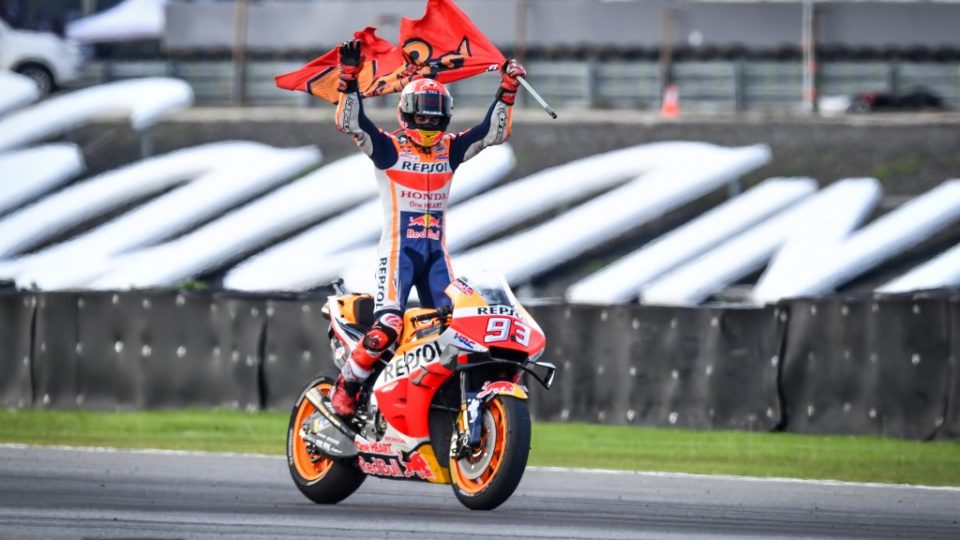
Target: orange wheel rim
[473, 486]
[308, 469]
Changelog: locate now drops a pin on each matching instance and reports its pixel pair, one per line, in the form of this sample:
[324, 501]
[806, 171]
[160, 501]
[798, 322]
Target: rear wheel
[486, 478]
[319, 478]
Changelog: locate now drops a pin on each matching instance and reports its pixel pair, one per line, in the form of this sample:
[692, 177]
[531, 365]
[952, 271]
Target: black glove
[351, 63]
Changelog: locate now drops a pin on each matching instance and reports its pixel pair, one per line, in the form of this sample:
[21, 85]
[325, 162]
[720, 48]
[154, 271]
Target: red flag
[444, 44]
[320, 76]
[451, 46]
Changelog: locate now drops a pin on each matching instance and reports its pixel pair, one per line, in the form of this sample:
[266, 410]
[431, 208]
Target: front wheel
[486, 478]
[319, 478]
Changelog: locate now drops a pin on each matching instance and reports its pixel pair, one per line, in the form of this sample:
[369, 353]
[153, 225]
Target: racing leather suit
[414, 183]
[415, 168]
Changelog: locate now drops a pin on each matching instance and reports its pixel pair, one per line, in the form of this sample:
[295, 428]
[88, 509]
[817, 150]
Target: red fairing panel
[406, 406]
[504, 331]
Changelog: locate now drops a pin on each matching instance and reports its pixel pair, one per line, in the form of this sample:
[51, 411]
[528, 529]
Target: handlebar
[436, 314]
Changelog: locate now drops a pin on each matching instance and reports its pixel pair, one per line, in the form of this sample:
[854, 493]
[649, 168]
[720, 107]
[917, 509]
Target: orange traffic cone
[670, 108]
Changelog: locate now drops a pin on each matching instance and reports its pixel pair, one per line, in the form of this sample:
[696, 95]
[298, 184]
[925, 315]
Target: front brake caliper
[474, 421]
[467, 436]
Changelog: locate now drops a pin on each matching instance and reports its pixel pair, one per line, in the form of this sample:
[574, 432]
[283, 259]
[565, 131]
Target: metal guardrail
[706, 87]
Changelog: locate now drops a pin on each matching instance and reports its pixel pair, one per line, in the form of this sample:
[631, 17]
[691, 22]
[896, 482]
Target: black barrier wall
[884, 365]
[16, 338]
[868, 366]
[56, 351]
[951, 426]
[296, 349]
[685, 367]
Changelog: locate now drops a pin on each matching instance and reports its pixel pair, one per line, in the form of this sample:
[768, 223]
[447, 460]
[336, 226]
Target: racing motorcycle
[448, 406]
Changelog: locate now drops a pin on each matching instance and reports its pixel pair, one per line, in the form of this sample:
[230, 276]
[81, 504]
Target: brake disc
[473, 465]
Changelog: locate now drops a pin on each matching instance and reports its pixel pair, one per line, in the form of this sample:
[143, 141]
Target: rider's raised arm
[350, 118]
[495, 126]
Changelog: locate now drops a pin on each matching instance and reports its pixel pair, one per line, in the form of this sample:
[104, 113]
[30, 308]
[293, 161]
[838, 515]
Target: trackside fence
[882, 365]
[714, 86]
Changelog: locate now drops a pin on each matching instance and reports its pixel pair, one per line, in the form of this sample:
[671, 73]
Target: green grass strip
[836, 457]
[861, 459]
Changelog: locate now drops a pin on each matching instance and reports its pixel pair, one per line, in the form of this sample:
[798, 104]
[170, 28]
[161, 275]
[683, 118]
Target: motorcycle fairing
[406, 385]
[347, 323]
[501, 388]
[488, 326]
[383, 459]
[503, 327]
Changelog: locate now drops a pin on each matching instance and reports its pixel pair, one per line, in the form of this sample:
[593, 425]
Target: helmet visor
[426, 103]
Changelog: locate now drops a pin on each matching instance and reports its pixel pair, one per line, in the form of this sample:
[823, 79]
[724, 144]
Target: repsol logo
[411, 361]
[382, 281]
[416, 166]
[496, 310]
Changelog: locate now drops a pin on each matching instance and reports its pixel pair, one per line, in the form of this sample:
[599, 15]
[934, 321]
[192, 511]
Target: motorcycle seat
[363, 311]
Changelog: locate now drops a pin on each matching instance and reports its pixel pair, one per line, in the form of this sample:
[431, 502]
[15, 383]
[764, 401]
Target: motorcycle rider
[415, 166]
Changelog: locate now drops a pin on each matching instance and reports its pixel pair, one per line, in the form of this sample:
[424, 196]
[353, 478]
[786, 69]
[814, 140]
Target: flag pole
[546, 106]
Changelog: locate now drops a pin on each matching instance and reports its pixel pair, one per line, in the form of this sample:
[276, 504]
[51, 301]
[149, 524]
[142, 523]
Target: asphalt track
[48, 493]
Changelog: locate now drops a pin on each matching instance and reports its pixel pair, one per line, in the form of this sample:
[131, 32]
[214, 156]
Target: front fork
[468, 435]
[468, 428]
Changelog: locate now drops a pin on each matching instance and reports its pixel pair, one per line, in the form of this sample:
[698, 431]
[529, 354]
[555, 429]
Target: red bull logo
[426, 221]
[392, 465]
[428, 224]
[506, 388]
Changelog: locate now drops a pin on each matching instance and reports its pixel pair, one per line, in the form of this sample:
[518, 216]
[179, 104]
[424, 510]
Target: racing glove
[508, 82]
[351, 62]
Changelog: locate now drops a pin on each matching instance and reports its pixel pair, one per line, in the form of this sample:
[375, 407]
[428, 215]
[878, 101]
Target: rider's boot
[344, 397]
[352, 376]
[357, 368]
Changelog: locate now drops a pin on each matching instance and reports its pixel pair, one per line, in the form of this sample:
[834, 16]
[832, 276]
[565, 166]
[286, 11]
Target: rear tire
[486, 480]
[321, 479]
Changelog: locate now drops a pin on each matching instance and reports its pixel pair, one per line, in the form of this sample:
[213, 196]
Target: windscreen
[491, 286]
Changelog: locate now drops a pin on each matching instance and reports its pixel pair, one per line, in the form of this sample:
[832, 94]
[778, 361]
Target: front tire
[321, 479]
[487, 478]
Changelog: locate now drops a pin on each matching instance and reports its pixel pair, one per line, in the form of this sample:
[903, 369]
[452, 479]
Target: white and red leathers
[415, 166]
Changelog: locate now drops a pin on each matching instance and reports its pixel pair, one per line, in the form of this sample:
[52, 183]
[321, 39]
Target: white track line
[762, 479]
[148, 451]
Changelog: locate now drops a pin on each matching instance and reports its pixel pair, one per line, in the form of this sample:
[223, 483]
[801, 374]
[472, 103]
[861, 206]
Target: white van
[47, 59]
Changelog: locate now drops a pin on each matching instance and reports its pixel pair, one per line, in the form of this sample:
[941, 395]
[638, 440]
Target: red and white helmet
[425, 97]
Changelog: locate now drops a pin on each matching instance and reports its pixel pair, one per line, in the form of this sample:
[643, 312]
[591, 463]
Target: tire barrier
[868, 366]
[883, 365]
[951, 426]
[16, 338]
[687, 367]
[296, 349]
[55, 348]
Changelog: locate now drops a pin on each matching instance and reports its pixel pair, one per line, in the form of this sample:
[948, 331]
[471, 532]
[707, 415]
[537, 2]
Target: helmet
[425, 97]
